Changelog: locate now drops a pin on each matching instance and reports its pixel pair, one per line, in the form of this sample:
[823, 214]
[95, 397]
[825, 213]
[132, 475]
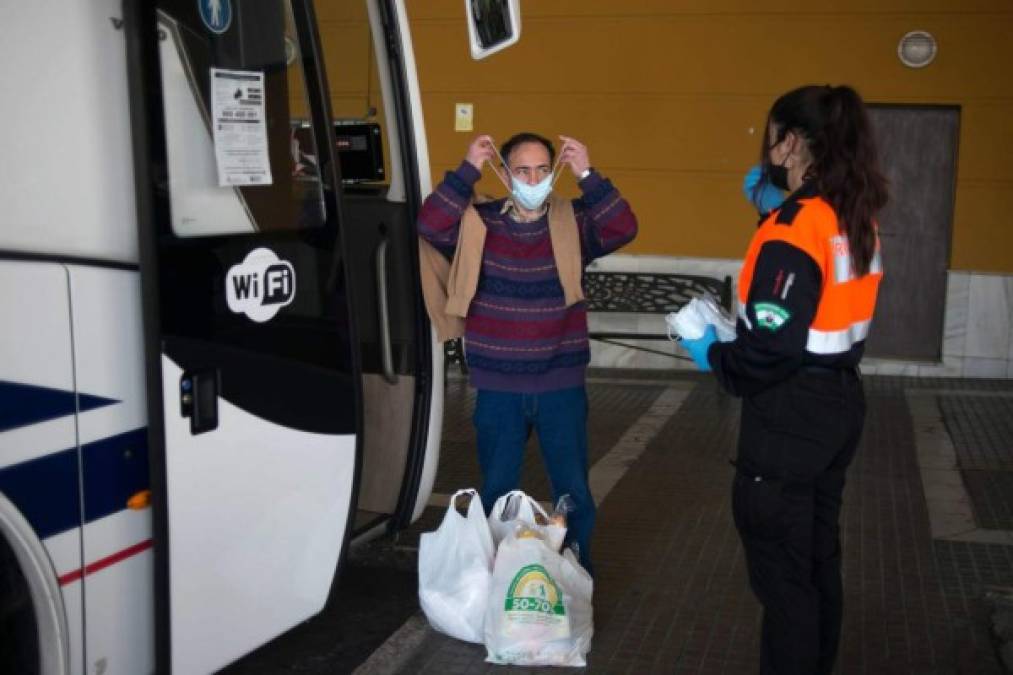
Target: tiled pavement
[982, 433]
[671, 594]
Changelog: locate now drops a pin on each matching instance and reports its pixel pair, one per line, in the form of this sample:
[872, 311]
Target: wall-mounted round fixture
[917, 49]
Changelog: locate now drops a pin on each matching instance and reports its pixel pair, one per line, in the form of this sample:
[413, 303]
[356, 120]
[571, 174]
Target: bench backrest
[646, 293]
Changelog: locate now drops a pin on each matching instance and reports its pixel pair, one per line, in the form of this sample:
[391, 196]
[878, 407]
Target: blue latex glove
[698, 348]
[767, 197]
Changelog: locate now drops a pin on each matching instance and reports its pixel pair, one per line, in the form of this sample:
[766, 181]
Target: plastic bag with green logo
[539, 611]
[455, 571]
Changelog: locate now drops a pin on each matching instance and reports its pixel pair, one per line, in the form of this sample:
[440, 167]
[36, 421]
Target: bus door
[252, 365]
[380, 205]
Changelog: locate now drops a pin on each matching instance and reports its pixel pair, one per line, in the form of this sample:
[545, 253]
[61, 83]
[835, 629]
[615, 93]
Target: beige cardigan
[449, 287]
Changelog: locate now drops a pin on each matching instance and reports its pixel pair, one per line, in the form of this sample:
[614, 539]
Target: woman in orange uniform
[807, 293]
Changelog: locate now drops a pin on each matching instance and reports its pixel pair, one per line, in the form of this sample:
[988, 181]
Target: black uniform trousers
[796, 441]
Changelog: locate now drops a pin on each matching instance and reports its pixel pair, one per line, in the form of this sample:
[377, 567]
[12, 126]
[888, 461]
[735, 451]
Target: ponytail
[848, 172]
[835, 124]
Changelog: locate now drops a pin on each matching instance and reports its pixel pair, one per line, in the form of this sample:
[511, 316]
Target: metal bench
[631, 293]
[647, 293]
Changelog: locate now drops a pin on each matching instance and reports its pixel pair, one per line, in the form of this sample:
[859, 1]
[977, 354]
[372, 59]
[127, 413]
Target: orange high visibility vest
[846, 302]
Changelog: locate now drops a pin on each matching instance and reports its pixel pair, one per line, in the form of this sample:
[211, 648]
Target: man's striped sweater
[519, 336]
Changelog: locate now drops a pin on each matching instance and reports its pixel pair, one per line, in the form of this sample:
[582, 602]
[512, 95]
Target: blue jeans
[504, 421]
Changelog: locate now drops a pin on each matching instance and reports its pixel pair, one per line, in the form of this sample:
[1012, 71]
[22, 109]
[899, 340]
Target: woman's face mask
[778, 176]
[776, 171]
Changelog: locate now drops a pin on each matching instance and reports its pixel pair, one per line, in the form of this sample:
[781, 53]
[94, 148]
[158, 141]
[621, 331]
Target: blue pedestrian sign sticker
[216, 14]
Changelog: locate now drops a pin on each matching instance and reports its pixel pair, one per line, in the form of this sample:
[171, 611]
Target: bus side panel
[118, 558]
[67, 168]
[39, 461]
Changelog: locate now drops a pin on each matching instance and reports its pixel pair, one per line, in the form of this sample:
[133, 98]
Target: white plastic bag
[516, 506]
[692, 319]
[455, 571]
[540, 611]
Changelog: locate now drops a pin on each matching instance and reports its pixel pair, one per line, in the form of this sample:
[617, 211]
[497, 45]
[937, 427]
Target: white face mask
[531, 197]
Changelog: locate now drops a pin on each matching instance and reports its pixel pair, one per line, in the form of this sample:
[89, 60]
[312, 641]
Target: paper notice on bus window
[240, 129]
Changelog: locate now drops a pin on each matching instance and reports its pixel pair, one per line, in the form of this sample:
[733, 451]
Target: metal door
[918, 155]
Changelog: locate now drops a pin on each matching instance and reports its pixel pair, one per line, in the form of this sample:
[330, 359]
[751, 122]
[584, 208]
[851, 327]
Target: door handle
[383, 311]
[198, 399]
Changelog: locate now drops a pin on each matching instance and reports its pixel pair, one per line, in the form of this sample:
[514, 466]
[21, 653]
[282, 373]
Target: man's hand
[574, 153]
[480, 151]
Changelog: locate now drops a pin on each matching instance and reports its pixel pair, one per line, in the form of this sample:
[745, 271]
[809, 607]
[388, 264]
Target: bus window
[230, 100]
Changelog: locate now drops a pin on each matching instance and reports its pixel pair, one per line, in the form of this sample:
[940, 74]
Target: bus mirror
[493, 25]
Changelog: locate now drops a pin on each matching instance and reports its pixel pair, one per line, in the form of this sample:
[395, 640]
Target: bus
[216, 371]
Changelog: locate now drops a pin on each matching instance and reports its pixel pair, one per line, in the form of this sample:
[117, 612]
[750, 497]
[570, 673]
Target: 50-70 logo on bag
[533, 590]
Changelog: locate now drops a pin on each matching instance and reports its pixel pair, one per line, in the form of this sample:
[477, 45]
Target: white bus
[215, 371]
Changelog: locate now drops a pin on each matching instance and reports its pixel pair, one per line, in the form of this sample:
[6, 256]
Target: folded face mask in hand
[690, 322]
[716, 316]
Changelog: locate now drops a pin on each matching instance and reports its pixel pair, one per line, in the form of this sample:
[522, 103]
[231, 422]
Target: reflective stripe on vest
[836, 341]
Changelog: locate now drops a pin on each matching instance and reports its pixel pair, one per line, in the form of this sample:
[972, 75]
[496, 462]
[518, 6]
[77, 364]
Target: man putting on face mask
[514, 290]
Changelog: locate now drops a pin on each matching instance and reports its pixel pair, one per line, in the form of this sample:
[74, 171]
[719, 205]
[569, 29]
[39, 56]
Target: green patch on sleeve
[770, 316]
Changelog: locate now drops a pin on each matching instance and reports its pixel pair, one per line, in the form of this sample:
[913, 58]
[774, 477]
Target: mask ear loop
[508, 187]
[557, 171]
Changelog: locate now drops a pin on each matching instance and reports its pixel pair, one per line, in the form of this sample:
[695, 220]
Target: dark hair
[526, 137]
[835, 125]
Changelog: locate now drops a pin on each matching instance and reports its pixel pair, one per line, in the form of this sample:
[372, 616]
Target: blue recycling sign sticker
[216, 14]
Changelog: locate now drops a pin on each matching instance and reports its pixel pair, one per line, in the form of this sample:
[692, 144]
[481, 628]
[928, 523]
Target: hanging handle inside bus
[386, 352]
[198, 398]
